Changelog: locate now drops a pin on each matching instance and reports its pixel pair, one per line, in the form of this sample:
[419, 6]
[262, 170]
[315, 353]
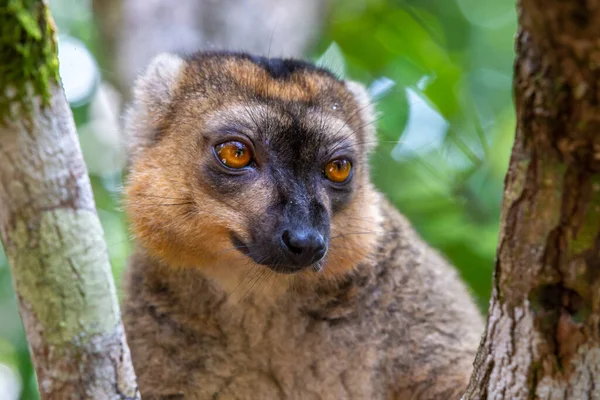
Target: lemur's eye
[234, 154]
[338, 170]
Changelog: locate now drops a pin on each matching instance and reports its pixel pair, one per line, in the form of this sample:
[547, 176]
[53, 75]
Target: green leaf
[333, 60]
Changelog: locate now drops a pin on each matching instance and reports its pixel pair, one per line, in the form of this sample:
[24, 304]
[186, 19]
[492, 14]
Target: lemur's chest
[279, 353]
[204, 346]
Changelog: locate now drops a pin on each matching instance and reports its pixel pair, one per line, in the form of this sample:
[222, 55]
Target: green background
[452, 64]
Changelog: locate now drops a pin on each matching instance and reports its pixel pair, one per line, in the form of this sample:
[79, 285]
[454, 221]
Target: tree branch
[49, 226]
[542, 338]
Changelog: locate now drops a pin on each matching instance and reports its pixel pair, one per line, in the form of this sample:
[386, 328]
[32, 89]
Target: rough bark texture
[542, 339]
[136, 30]
[51, 232]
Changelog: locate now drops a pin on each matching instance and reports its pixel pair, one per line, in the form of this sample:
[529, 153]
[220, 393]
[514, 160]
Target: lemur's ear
[366, 112]
[152, 95]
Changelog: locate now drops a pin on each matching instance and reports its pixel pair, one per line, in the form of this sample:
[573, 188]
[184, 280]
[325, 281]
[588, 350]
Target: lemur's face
[286, 168]
[254, 160]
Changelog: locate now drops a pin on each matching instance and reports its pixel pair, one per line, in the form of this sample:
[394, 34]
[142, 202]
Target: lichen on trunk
[542, 338]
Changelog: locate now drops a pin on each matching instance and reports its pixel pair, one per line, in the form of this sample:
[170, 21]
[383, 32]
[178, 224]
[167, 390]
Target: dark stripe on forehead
[280, 68]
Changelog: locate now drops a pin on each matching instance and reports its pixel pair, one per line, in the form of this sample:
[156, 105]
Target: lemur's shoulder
[415, 270]
[424, 309]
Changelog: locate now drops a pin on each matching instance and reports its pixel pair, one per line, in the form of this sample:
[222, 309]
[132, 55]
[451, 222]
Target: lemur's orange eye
[338, 171]
[233, 154]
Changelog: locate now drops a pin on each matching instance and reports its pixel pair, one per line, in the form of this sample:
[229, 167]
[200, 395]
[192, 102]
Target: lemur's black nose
[303, 246]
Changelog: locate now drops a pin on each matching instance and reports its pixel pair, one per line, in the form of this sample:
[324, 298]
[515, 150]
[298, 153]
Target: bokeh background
[446, 129]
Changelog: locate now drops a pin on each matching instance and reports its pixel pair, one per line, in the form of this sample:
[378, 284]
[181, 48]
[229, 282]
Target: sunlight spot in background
[10, 384]
[428, 135]
[380, 88]
[78, 70]
[425, 129]
[101, 141]
[488, 14]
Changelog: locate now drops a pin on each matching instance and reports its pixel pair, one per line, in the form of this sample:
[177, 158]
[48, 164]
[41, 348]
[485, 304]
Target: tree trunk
[136, 30]
[48, 222]
[542, 338]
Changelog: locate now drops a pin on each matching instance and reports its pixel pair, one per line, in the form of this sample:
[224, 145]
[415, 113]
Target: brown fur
[387, 318]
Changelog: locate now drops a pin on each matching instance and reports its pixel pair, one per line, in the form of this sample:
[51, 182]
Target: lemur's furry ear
[366, 112]
[152, 95]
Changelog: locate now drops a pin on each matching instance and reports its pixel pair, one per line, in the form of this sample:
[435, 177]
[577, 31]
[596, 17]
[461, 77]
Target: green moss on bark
[28, 54]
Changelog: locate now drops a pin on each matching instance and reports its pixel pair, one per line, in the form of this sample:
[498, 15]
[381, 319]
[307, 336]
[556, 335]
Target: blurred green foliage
[464, 48]
[456, 56]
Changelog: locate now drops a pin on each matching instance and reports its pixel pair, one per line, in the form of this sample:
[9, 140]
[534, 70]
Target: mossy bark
[28, 59]
[49, 226]
[543, 335]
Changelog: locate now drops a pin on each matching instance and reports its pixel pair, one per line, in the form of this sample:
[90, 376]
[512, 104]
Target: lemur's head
[239, 161]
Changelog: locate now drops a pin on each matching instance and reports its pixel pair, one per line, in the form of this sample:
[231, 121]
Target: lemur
[266, 264]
